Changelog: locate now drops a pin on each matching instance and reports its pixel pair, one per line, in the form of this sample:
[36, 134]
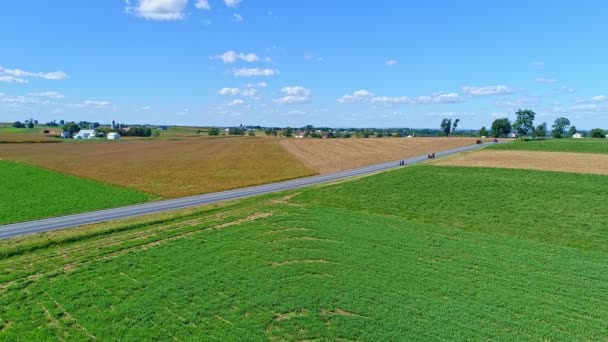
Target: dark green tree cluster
[214, 131]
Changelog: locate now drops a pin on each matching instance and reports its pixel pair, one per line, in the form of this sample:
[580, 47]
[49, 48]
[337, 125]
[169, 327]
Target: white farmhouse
[577, 136]
[113, 136]
[86, 134]
[511, 135]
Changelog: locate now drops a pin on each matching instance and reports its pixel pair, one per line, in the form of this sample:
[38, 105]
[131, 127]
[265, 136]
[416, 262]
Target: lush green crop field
[422, 253]
[557, 145]
[28, 193]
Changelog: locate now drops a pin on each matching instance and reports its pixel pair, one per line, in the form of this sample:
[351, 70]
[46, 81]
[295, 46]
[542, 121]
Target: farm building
[65, 135]
[300, 135]
[86, 134]
[113, 136]
[511, 135]
[577, 136]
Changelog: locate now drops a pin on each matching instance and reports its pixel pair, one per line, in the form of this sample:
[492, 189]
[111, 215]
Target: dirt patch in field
[332, 155]
[547, 161]
[167, 168]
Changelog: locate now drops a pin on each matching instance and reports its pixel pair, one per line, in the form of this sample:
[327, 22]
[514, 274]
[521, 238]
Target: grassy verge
[400, 255]
[29, 193]
[557, 145]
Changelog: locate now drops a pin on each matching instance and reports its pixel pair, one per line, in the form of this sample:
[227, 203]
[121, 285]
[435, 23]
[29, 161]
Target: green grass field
[29, 193]
[557, 145]
[420, 253]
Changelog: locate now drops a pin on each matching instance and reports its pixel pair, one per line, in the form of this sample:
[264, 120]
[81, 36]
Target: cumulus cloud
[232, 3]
[391, 62]
[599, 98]
[161, 10]
[238, 18]
[488, 90]
[237, 102]
[202, 4]
[250, 72]
[546, 80]
[21, 76]
[48, 94]
[230, 57]
[294, 95]
[249, 92]
[364, 96]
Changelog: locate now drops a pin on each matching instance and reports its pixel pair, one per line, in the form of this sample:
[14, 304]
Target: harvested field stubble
[331, 155]
[167, 168]
[547, 161]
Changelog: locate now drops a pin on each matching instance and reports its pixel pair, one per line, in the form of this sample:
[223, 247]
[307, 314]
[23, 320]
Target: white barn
[86, 134]
[577, 136]
[113, 136]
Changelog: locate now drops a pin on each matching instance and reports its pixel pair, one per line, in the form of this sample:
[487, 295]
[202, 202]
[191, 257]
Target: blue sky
[291, 63]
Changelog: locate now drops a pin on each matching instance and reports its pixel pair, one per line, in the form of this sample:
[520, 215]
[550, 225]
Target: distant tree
[71, 127]
[288, 132]
[455, 125]
[198, 131]
[18, 124]
[501, 127]
[236, 131]
[346, 135]
[35, 122]
[524, 122]
[156, 133]
[61, 122]
[597, 133]
[96, 125]
[214, 131]
[379, 134]
[251, 133]
[446, 126]
[559, 128]
[541, 130]
[30, 124]
[483, 132]
[572, 131]
[46, 131]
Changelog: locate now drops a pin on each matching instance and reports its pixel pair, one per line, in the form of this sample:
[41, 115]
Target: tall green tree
[501, 127]
[541, 130]
[524, 122]
[446, 126]
[483, 132]
[455, 125]
[572, 131]
[71, 127]
[597, 133]
[559, 128]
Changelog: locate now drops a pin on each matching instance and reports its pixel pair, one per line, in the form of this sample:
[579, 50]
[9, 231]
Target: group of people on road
[401, 162]
[431, 155]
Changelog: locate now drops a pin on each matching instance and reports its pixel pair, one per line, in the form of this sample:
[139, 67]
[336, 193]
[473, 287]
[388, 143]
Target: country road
[30, 227]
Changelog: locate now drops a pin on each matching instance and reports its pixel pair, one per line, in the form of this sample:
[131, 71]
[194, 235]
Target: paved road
[44, 225]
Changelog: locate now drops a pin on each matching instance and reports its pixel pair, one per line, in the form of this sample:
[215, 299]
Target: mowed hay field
[549, 161]
[419, 253]
[29, 193]
[331, 155]
[167, 168]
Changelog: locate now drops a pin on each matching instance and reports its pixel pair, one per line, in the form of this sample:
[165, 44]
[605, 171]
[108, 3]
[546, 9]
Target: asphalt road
[30, 227]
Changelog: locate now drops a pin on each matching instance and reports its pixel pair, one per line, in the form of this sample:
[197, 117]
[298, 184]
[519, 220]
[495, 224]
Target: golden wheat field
[331, 155]
[167, 168]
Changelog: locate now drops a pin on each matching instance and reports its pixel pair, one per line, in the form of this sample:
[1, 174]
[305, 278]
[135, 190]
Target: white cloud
[249, 92]
[202, 4]
[364, 96]
[237, 102]
[391, 62]
[11, 79]
[20, 76]
[294, 95]
[238, 18]
[91, 104]
[599, 98]
[546, 80]
[48, 94]
[162, 10]
[232, 3]
[230, 56]
[294, 113]
[488, 90]
[584, 108]
[250, 72]
[254, 85]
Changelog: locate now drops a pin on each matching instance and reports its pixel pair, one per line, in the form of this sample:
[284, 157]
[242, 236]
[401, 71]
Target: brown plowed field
[166, 168]
[548, 161]
[331, 155]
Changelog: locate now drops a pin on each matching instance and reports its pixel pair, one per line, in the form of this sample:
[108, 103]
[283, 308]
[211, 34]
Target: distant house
[86, 134]
[163, 128]
[512, 135]
[65, 135]
[113, 136]
[577, 136]
[300, 135]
